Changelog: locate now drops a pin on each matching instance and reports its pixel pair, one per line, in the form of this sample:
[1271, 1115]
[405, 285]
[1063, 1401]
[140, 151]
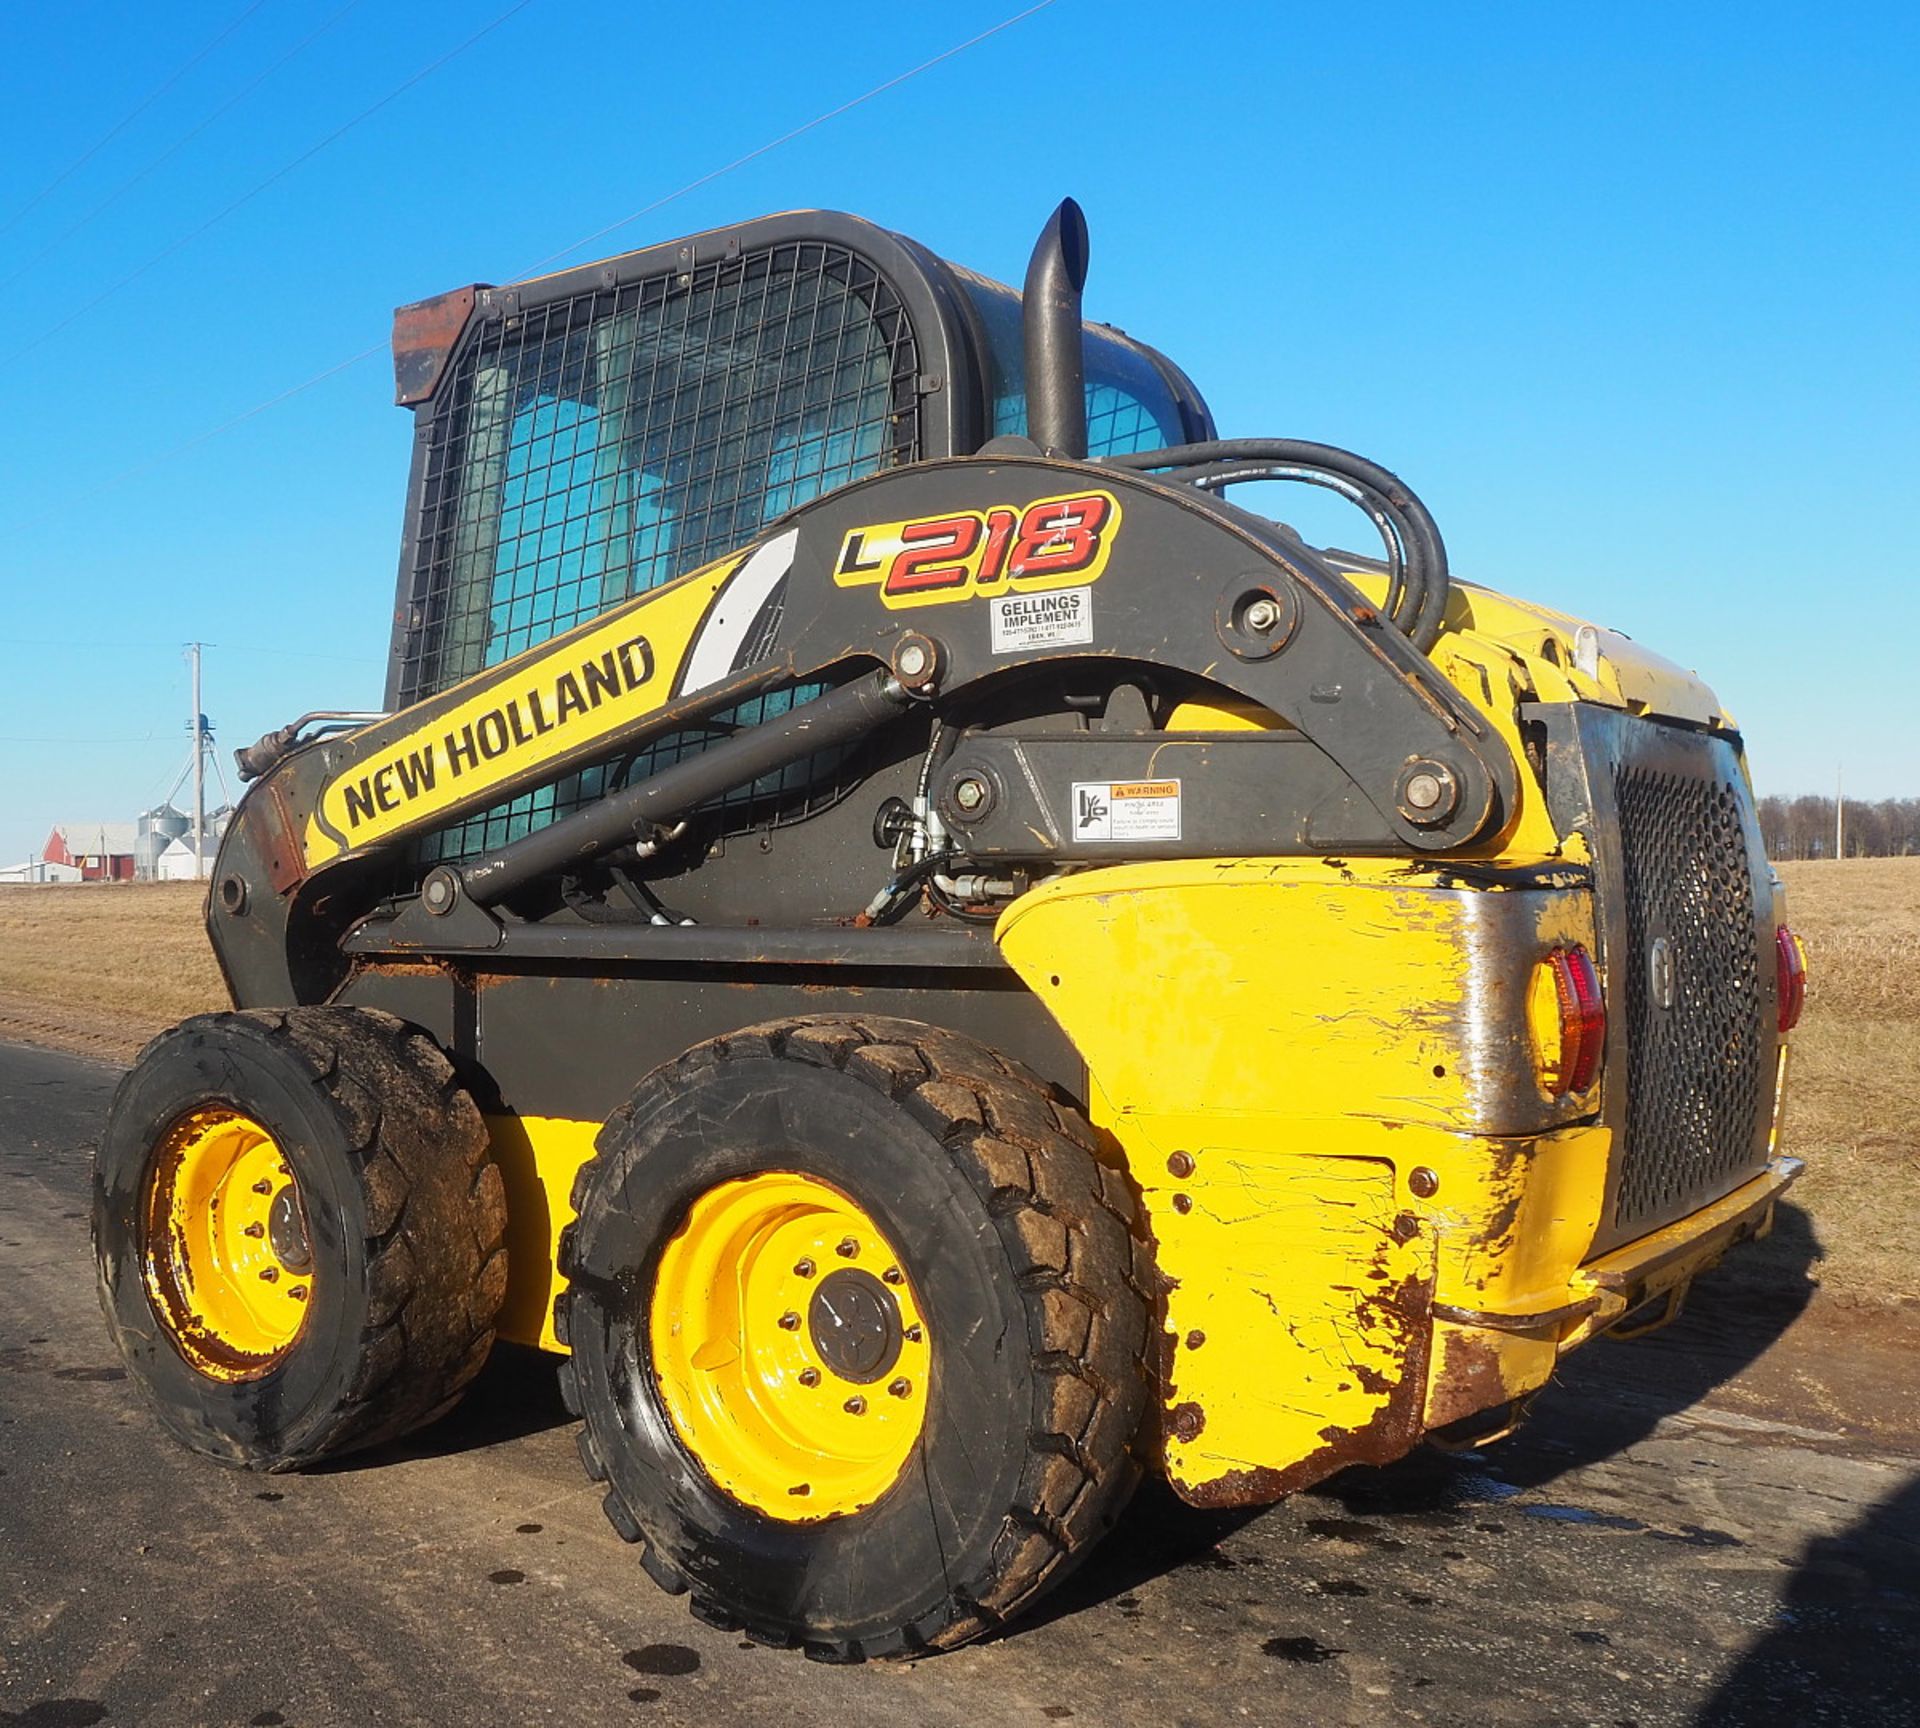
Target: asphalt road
[1648, 1551]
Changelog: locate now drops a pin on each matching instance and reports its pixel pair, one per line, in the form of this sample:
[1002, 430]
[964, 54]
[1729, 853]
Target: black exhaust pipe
[1056, 360]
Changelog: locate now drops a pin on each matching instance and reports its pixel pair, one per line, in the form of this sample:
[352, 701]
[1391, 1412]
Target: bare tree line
[1803, 827]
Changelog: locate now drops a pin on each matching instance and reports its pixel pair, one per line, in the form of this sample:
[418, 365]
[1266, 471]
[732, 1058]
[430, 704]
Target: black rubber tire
[406, 1216]
[1025, 1252]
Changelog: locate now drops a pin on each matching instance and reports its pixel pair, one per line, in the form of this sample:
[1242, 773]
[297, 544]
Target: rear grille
[1699, 1045]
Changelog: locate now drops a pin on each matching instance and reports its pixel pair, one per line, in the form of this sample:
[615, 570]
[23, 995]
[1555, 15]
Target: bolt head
[1423, 1183]
[1180, 1164]
[1423, 791]
[270, 1274]
[848, 1248]
[913, 1334]
[970, 793]
[901, 1387]
[809, 1376]
[803, 1269]
[855, 1406]
[1262, 615]
[789, 1321]
[892, 1275]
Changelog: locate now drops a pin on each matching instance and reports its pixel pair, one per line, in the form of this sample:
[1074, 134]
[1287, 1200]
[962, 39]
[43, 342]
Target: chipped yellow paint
[1310, 1099]
[539, 1157]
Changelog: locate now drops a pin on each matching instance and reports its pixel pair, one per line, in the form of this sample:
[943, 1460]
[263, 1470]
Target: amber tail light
[1569, 1020]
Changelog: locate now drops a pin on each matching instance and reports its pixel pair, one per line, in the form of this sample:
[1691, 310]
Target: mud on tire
[1023, 1247]
[405, 1214]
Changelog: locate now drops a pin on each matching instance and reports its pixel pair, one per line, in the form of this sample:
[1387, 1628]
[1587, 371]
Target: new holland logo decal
[1006, 548]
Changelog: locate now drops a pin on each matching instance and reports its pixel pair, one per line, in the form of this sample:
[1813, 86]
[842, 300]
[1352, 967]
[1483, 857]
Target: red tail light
[1791, 961]
[1569, 1020]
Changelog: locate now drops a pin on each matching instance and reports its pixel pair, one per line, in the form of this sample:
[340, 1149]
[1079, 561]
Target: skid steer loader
[941, 964]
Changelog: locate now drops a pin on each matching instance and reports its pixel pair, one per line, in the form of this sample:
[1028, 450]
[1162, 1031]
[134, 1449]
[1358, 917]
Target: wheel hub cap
[855, 1325]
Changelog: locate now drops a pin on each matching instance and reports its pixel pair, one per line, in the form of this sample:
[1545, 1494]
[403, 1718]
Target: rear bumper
[1489, 1360]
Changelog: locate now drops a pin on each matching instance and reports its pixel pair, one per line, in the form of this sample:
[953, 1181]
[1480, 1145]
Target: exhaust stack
[1056, 361]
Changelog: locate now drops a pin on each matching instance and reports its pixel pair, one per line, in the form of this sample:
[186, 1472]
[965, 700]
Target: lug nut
[298, 1292]
[913, 1334]
[901, 1387]
[855, 1406]
[801, 1488]
[892, 1275]
[254, 1230]
[809, 1376]
[270, 1274]
[789, 1321]
[848, 1248]
[803, 1269]
[263, 1186]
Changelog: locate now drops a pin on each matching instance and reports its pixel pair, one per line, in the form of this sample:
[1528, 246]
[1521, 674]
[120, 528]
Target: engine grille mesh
[1699, 1080]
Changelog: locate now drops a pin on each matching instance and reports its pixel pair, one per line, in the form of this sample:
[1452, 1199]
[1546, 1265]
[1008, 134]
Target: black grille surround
[1684, 913]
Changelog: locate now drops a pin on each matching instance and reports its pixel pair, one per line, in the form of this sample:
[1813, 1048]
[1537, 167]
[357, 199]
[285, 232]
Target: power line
[199, 438]
[271, 180]
[120, 126]
[788, 137]
[179, 144]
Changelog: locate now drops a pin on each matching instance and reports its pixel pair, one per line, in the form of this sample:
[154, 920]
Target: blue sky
[1628, 293]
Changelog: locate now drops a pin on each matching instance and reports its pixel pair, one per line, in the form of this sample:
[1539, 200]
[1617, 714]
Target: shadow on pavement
[516, 1394]
[1845, 1646]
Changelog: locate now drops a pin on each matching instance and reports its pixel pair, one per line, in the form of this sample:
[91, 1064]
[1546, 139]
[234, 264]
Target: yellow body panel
[1312, 1071]
[538, 1158]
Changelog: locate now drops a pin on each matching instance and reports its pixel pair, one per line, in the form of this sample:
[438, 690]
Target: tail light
[1569, 1020]
[1790, 959]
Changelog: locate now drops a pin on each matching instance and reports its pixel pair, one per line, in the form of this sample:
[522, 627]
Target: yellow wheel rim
[788, 1347]
[227, 1261]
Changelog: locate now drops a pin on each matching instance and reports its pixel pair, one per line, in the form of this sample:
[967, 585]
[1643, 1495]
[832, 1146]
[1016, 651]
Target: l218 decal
[928, 560]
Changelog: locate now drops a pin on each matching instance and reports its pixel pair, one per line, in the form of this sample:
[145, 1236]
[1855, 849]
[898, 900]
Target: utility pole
[199, 725]
[1839, 812]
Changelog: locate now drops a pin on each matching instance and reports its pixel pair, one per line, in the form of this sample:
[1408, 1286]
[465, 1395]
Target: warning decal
[1126, 810]
[1052, 619]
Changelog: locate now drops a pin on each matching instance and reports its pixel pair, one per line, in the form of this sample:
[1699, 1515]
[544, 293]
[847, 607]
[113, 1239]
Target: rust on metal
[1389, 1434]
[423, 337]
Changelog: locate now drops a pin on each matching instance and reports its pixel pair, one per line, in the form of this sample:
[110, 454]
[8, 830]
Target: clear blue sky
[1630, 294]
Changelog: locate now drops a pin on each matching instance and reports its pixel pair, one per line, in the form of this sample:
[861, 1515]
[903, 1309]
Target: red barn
[100, 851]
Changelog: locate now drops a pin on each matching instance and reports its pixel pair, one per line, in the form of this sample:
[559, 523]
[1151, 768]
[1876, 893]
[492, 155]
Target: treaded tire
[1026, 1254]
[406, 1218]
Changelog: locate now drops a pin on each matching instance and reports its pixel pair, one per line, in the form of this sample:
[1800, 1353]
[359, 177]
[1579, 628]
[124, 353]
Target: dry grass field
[100, 969]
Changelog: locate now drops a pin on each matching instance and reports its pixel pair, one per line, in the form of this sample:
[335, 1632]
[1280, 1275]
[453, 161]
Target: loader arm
[918, 589]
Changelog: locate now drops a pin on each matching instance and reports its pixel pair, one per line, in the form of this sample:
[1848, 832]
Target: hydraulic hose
[1421, 602]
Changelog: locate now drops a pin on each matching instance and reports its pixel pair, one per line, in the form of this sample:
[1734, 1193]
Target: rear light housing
[1568, 1018]
[1790, 961]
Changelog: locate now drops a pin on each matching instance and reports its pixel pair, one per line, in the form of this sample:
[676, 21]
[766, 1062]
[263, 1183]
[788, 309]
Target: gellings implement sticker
[1006, 548]
[1126, 810]
[1057, 618]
